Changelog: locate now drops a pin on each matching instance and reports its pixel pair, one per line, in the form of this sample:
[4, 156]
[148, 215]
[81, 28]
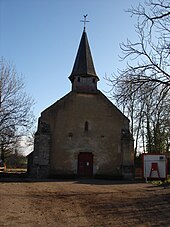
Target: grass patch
[162, 183]
[16, 170]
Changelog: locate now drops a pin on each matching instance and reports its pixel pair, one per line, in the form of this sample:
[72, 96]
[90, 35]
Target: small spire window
[78, 79]
[86, 126]
[94, 80]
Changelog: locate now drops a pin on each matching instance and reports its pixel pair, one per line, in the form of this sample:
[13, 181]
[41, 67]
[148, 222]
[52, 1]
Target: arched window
[78, 79]
[86, 126]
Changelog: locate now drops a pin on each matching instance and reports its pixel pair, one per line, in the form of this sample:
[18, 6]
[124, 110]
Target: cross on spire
[84, 21]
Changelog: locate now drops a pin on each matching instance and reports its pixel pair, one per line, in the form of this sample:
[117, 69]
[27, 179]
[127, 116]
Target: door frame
[85, 164]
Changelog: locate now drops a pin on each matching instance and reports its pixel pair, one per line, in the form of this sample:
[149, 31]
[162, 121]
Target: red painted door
[85, 164]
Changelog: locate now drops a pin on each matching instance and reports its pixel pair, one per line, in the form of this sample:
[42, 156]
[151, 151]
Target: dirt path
[83, 203]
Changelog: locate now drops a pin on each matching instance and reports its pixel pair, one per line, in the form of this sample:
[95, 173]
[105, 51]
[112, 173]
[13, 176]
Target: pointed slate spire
[83, 65]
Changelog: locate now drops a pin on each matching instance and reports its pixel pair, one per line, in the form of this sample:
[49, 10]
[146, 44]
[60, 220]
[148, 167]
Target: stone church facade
[83, 134]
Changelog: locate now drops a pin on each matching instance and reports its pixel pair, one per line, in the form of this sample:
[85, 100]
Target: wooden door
[85, 164]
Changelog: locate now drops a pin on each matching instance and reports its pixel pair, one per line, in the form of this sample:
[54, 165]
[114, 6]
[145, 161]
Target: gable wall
[67, 121]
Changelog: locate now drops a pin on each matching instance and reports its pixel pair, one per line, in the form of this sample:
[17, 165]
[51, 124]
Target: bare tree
[149, 57]
[148, 114]
[143, 87]
[16, 116]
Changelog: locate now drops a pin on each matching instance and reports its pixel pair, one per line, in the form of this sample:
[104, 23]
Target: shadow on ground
[23, 177]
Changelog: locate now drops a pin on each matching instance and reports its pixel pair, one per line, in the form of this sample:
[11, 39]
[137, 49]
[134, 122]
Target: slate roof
[83, 65]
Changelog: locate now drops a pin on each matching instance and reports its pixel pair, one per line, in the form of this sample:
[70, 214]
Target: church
[83, 134]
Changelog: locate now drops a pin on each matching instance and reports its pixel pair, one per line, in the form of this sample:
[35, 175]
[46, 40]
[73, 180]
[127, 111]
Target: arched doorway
[85, 164]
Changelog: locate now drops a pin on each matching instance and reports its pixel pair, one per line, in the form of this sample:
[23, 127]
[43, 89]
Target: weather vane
[84, 21]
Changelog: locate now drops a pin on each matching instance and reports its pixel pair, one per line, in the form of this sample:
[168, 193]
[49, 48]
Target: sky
[41, 38]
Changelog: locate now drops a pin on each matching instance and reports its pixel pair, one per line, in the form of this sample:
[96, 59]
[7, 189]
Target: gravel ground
[82, 203]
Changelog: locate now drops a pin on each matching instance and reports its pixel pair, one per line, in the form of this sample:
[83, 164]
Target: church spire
[83, 65]
[83, 68]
